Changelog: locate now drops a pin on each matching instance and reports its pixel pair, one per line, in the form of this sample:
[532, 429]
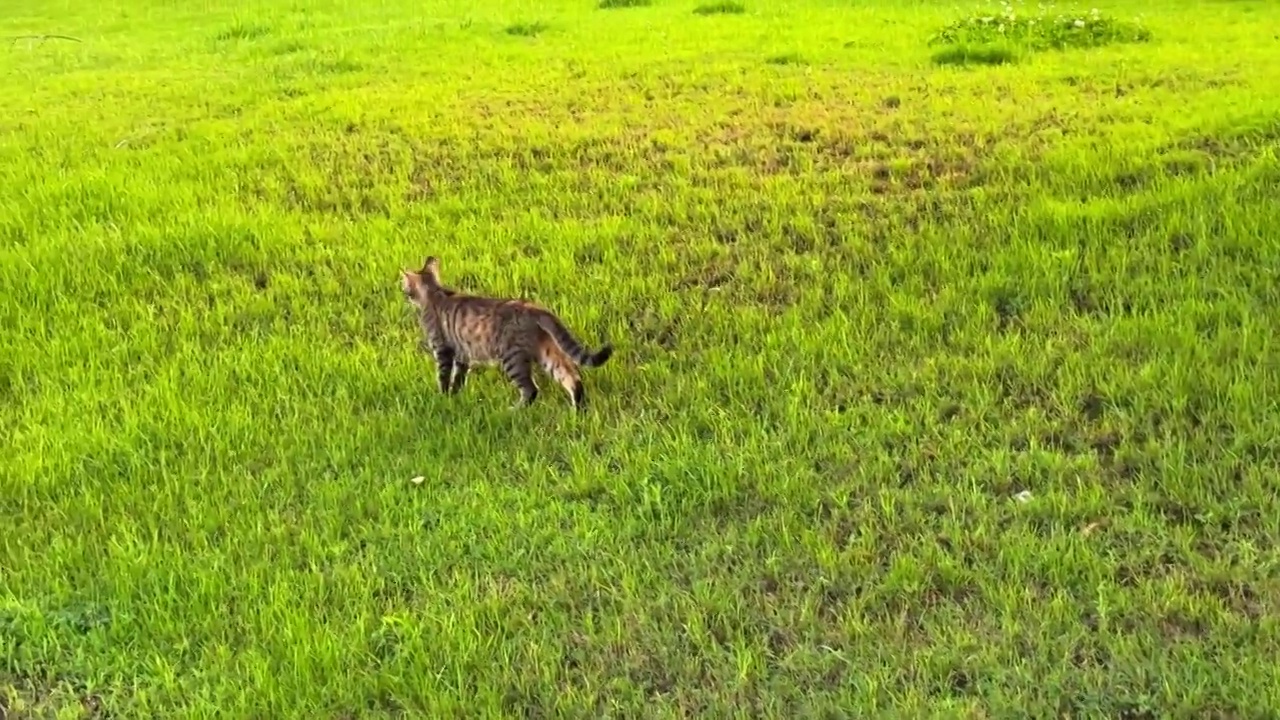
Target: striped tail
[573, 348]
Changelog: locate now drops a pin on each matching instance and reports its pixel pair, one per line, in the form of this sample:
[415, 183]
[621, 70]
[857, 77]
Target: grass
[936, 393]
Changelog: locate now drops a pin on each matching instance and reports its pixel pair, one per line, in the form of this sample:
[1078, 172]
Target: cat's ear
[431, 268]
[408, 280]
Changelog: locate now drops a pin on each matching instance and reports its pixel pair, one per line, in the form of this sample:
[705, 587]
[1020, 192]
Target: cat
[463, 330]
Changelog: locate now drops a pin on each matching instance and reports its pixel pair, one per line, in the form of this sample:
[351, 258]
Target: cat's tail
[553, 327]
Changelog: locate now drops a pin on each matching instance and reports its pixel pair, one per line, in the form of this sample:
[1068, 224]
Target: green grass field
[862, 299]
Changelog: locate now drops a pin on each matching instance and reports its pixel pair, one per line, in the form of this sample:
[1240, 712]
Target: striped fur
[464, 330]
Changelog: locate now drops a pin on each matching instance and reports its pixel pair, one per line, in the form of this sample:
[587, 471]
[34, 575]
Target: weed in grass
[943, 393]
[28, 698]
[526, 29]
[1043, 30]
[613, 4]
[723, 7]
[242, 30]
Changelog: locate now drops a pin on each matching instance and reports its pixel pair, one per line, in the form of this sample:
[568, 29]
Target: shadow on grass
[532, 29]
[725, 7]
[975, 55]
[786, 59]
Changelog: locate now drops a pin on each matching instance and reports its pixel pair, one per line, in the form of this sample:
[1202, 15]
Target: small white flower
[1079, 23]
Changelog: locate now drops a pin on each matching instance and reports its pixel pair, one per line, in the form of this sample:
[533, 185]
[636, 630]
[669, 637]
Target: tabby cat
[464, 330]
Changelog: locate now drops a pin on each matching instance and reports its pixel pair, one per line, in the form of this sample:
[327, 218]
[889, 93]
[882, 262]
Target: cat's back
[486, 328]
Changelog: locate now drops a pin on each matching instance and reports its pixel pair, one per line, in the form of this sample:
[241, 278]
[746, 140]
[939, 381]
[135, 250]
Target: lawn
[945, 386]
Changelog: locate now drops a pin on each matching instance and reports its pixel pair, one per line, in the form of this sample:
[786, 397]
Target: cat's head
[419, 285]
